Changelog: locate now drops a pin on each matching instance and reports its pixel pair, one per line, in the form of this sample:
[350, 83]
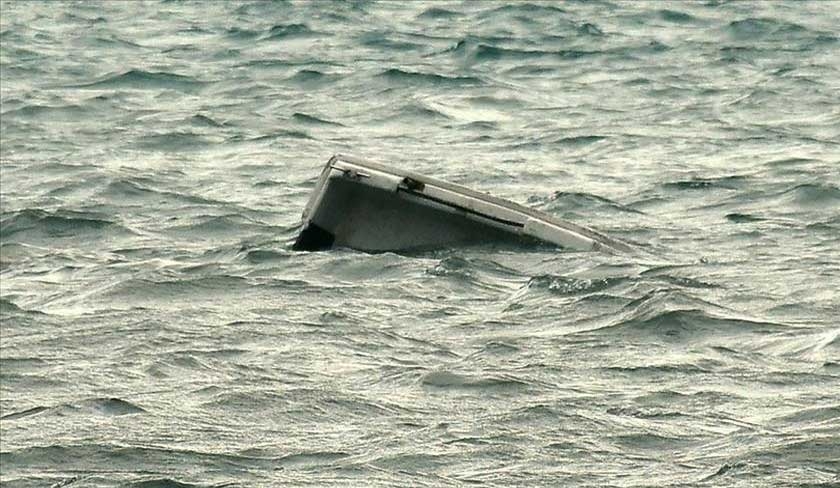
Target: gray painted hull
[371, 207]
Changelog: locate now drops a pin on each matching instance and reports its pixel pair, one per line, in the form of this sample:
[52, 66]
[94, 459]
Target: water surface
[158, 331]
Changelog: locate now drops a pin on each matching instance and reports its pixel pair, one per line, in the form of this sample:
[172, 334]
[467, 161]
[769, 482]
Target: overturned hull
[372, 207]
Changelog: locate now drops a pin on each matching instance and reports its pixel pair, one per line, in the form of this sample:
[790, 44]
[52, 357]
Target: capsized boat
[372, 207]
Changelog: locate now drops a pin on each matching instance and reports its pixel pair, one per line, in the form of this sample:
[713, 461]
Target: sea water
[158, 330]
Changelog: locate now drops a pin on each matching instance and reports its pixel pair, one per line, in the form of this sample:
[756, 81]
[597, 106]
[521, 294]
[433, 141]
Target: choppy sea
[158, 330]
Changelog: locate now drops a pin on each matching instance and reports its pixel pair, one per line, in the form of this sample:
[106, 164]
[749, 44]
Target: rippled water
[157, 330]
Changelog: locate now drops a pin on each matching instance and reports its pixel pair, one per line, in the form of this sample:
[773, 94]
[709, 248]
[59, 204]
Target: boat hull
[371, 207]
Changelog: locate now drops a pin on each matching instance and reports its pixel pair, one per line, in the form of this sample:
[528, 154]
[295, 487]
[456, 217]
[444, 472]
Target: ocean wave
[289, 31]
[453, 267]
[279, 64]
[652, 441]
[796, 163]
[35, 222]
[475, 273]
[416, 111]
[831, 225]
[763, 28]
[590, 29]
[526, 9]
[733, 182]
[500, 348]
[307, 119]
[240, 33]
[401, 76]
[673, 276]
[261, 256]
[563, 201]
[146, 80]
[108, 407]
[170, 483]
[206, 225]
[49, 112]
[812, 417]
[817, 451]
[813, 194]
[675, 369]
[311, 458]
[681, 325]
[676, 16]
[201, 120]
[579, 140]
[24, 413]
[480, 50]
[175, 141]
[806, 344]
[206, 288]
[313, 77]
[138, 189]
[9, 307]
[566, 286]
[120, 458]
[484, 52]
[276, 135]
[674, 316]
[252, 401]
[687, 401]
[438, 13]
[62, 168]
[114, 41]
[260, 10]
[144, 288]
[814, 199]
[481, 126]
[454, 381]
[743, 218]
[382, 41]
[78, 18]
